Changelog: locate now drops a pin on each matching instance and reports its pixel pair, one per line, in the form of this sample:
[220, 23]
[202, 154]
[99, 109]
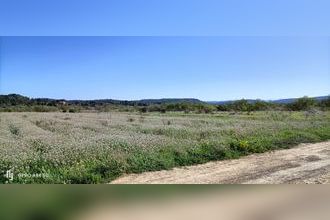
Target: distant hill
[278, 101]
[231, 101]
[287, 101]
[16, 99]
[138, 102]
[170, 101]
[13, 99]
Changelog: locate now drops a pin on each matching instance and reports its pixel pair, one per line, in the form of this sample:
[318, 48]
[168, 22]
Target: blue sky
[207, 49]
[164, 17]
[208, 68]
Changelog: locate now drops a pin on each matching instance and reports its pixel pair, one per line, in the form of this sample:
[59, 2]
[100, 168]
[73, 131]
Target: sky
[130, 68]
[164, 17]
[136, 49]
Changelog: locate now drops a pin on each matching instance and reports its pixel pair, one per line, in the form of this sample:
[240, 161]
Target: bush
[301, 104]
[143, 110]
[72, 110]
[246, 106]
[14, 130]
[325, 104]
[41, 108]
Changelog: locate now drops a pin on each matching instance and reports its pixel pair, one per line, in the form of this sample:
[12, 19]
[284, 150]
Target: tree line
[300, 104]
[15, 102]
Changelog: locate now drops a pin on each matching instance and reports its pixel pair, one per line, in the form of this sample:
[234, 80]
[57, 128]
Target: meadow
[99, 147]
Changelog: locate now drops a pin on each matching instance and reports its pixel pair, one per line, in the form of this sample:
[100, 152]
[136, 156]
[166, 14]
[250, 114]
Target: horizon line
[132, 100]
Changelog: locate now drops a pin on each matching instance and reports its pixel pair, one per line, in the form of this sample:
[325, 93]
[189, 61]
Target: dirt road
[306, 163]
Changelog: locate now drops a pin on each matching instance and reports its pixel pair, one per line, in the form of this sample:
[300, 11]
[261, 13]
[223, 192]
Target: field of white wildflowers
[98, 147]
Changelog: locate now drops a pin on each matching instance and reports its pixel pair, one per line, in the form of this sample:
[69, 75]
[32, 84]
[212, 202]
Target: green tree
[304, 103]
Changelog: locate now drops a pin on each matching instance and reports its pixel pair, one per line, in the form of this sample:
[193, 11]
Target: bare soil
[306, 163]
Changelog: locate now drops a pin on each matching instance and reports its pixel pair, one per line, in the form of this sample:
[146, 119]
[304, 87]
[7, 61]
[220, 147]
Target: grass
[99, 147]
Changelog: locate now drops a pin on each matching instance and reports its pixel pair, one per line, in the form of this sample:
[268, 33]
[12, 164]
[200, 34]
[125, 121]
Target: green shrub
[14, 130]
[303, 103]
[73, 110]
